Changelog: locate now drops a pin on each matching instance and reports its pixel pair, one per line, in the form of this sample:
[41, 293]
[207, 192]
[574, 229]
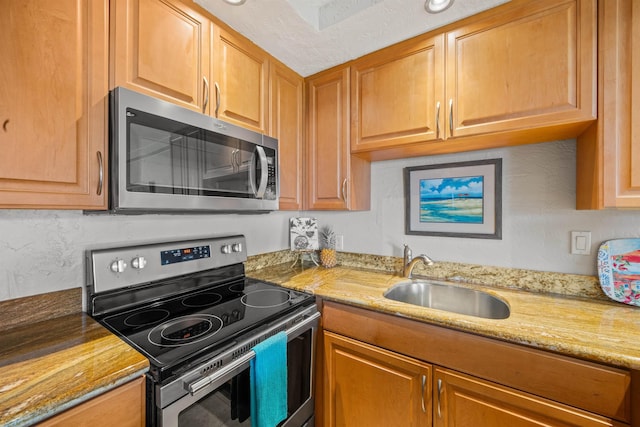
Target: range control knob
[139, 262]
[226, 249]
[118, 266]
[236, 247]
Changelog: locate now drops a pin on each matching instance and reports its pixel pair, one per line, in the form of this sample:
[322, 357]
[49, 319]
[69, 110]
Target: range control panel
[121, 267]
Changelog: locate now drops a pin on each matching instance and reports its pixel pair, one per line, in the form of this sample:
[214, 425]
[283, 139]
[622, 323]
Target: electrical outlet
[581, 242]
[339, 242]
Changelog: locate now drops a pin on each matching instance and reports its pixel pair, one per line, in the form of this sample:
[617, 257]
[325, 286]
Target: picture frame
[462, 199]
[303, 234]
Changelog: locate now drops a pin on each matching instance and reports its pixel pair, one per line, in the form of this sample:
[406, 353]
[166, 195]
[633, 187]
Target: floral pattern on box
[619, 270]
[304, 234]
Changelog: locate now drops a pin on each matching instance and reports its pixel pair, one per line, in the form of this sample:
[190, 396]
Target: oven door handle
[198, 385]
[195, 386]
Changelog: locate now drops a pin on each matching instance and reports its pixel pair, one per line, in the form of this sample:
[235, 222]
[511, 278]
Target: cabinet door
[461, 400]
[122, 407]
[398, 95]
[334, 179]
[531, 66]
[161, 48]
[53, 104]
[287, 117]
[241, 81]
[370, 386]
[608, 156]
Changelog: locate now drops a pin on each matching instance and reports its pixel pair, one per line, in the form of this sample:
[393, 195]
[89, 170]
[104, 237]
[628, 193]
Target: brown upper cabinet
[241, 78]
[523, 72]
[530, 67]
[172, 50]
[608, 157]
[53, 108]
[335, 180]
[286, 91]
[398, 95]
[161, 48]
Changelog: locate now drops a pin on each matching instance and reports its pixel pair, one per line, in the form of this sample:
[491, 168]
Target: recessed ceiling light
[235, 2]
[437, 6]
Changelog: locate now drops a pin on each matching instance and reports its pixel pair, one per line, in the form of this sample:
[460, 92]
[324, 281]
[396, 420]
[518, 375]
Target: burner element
[266, 298]
[201, 300]
[185, 330]
[146, 317]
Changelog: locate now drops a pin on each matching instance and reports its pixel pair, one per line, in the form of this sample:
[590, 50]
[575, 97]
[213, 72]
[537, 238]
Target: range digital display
[185, 254]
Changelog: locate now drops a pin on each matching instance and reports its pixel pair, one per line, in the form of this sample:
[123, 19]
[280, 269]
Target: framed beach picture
[454, 199]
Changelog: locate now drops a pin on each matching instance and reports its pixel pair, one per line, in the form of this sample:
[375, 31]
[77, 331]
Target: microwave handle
[264, 173]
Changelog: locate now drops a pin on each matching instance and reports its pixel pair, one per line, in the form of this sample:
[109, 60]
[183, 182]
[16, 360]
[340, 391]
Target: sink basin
[442, 296]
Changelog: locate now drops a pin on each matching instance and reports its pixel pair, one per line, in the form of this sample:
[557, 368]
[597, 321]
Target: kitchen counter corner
[49, 366]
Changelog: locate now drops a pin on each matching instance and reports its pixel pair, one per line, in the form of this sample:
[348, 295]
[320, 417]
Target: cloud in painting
[446, 187]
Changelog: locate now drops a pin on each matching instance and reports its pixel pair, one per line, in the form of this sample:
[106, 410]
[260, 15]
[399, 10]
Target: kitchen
[43, 250]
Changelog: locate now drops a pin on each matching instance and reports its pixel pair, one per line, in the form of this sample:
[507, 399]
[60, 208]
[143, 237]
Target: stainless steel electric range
[189, 308]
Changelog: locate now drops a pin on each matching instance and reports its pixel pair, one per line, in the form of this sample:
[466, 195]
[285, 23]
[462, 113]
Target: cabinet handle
[100, 174]
[451, 117]
[424, 383]
[438, 120]
[205, 95]
[439, 394]
[344, 190]
[217, 86]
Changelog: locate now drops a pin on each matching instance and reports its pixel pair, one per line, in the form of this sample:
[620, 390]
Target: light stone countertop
[588, 328]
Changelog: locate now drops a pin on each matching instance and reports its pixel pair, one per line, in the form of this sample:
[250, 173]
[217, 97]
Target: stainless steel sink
[442, 296]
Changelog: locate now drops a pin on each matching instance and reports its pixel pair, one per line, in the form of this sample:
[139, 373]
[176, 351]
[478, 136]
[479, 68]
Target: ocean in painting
[452, 200]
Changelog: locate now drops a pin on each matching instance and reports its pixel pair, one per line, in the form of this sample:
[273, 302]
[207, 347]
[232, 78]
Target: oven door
[225, 401]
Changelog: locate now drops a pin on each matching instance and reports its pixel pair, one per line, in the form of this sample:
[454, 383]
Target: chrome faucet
[409, 262]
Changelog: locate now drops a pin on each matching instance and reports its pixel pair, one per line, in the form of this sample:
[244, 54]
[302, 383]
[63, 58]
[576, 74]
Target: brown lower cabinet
[381, 370]
[463, 400]
[123, 407]
[353, 396]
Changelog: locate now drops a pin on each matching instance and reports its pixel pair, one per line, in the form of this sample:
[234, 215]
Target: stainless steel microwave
[165, 158]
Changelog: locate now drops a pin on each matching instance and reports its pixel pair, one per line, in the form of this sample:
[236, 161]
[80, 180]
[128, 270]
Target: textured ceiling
[313, 35]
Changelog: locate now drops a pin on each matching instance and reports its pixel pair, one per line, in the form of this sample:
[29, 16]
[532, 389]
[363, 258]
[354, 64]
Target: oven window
[229, 404]
[220, 408]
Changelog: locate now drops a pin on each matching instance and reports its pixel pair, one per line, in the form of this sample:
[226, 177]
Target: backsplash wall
[43, 250]
[538, 205]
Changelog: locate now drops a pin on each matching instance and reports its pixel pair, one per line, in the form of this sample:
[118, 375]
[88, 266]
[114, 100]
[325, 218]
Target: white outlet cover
[581, 242]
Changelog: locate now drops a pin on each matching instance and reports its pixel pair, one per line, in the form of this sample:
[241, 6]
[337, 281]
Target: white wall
[538, 214]
[42, 251]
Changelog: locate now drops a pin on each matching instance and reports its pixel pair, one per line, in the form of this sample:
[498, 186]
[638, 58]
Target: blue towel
[269, 382]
